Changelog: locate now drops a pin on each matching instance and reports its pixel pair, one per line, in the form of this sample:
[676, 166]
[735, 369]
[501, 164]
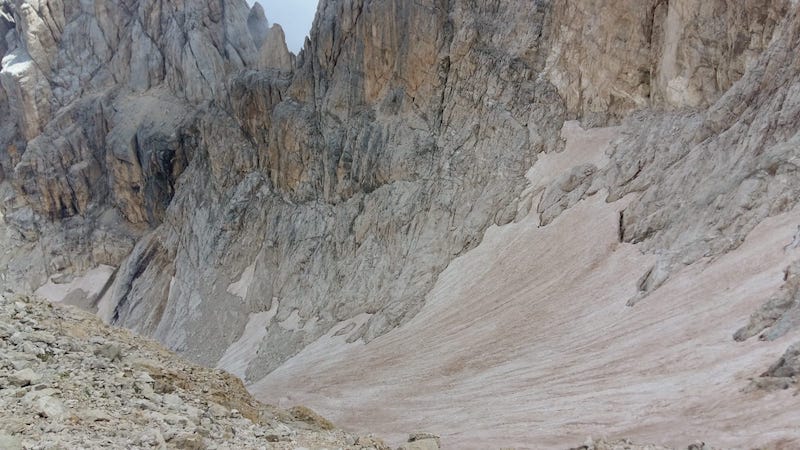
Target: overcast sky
[295, 16]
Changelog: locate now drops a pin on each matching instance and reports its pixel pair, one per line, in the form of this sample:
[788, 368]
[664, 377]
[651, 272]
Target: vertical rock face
[96, 99]
[704, 47]
[183, 143]
[353, 183]
[609, 56]
[706, 178]
[273, 52]
[257, 24]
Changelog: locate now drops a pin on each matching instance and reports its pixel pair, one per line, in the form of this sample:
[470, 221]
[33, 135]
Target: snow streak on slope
[526, 341]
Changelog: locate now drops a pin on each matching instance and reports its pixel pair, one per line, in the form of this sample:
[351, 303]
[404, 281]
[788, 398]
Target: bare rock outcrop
[258, 24]
[345, 176]
[779, 314]
[273, 53]
[782, 374]
[788, 366]
[97, 97]
[608, 57]
[705, 179]
[624, 444]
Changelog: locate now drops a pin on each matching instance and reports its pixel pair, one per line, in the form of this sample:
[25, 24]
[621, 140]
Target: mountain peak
[257, 23]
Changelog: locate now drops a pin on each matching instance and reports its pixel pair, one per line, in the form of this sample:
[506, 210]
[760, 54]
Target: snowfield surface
[526, 342]
[88, 286]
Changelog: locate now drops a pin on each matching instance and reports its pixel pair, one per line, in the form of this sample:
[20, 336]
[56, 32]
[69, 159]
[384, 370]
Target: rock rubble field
[68, 381]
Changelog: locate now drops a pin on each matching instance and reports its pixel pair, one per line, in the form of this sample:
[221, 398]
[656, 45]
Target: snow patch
[90, 284]
[17, 63]
[239, 355]
[526, 338]
[292, 323]
[240, 287]
[582, 147]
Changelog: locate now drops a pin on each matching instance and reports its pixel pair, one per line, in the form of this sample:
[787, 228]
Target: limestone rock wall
[226, 177]
[706, 178]
[608, 57]
[95, 99]
[351, 184]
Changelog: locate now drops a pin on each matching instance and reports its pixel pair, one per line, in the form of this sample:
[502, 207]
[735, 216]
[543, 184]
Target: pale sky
[295, 16]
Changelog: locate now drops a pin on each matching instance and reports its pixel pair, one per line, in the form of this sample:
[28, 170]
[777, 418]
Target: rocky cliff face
[236, 186]
[97, 98]
[609, 57]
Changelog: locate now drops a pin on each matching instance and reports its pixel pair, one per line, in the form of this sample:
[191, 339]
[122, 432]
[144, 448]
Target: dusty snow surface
[526, 341]
[88, 286]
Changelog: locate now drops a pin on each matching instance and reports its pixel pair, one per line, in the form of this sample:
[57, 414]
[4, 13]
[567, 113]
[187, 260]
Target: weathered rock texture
[779, 314]
[97, 101]
[344, 188]
[69, 381]
[706, 178]
[611, 56]
[274, 53]
[229, 180]
[526, 338]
